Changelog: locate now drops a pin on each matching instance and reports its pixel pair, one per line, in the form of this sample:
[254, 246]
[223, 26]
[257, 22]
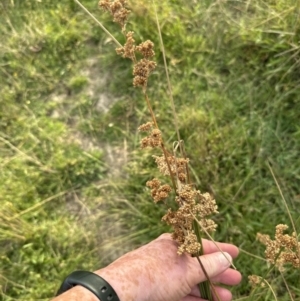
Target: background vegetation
[72, 192]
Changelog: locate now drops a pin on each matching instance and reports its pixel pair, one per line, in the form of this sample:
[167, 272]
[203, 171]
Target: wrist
[77, 293]
[83, 294]
[88, 282]
[125, 287]
[115, 280]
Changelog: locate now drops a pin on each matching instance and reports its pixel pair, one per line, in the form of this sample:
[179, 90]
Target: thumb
[214, 264]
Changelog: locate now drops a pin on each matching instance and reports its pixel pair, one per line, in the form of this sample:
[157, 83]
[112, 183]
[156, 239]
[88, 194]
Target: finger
[214, 264]
[192, 298]
[165, 236]
[223, 294]
[211, 247]
[229, 277]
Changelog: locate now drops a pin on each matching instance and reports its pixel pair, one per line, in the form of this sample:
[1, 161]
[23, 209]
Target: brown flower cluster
[146, 49]
[159, 192]
[128, 50]
[142, 68]
[117, 9]
[191, 204]
[255, 281]
[154, 139]
[145, 127]
[173, 167]
[283, 249]
[141, 72]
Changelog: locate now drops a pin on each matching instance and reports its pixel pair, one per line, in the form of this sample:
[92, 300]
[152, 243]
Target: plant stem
[204, 287]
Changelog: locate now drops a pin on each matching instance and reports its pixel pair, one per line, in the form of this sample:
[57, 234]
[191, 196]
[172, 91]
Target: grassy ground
[68, 110]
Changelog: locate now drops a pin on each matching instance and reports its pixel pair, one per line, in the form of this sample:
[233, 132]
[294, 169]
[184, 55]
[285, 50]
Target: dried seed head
[154, 140]
[182, 219]
[207, 205]
[156, 134]
[186, 195]
[255, 280]
[182, 177]
[129, 48]
[105, 4]
[208, 224]
[141, 72]
[117, 9]
[160, 196]
[177, 165]
[283, 249]
[146, 49]
[146, 142]
[140, 81]
[159, 192]
[156, 137]
[190, 245]
[145, 127]
[154, 183]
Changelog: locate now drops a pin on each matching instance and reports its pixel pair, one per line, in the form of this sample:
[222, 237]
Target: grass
[234, 70]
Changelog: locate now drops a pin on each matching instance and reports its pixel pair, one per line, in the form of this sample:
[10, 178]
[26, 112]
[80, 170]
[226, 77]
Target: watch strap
[94, 283]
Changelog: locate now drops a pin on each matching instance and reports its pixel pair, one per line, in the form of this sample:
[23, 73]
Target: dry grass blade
[31, 159]
[270, 287]
[247, 297]
[168, 77]
[287, 287]
[38, 205]
[99, 23]
[285, 204]
[252, 255]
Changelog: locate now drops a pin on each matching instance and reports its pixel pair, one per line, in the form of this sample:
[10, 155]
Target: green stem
[204, 287]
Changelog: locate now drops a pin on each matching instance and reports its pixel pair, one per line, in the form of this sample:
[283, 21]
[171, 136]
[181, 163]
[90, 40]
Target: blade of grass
[168, 77]
[99, 23]
[285, 203]
[286, 285]
[38, 205]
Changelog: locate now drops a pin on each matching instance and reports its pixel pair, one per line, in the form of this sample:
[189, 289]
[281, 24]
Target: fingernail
[225, 259]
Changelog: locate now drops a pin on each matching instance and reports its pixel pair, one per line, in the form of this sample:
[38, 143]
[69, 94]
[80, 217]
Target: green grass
[234, 70]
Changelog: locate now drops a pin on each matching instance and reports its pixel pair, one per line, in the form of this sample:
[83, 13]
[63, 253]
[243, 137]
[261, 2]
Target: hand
[155, 272]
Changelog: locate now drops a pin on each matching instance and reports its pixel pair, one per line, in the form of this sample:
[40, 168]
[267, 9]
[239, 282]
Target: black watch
[92, 282]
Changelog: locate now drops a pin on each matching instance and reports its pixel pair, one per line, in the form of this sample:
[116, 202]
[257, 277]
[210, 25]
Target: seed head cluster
[127, 51]
[190, 202]
[153, 140]
[145, 127]
[283, 249]
[145, 66]
[117, 9]
[172, 166]
[146, 49]
[158, 192]
[255, 281]
[141, 72]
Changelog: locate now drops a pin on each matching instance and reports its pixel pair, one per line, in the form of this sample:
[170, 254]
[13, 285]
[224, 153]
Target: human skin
[155, 272]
